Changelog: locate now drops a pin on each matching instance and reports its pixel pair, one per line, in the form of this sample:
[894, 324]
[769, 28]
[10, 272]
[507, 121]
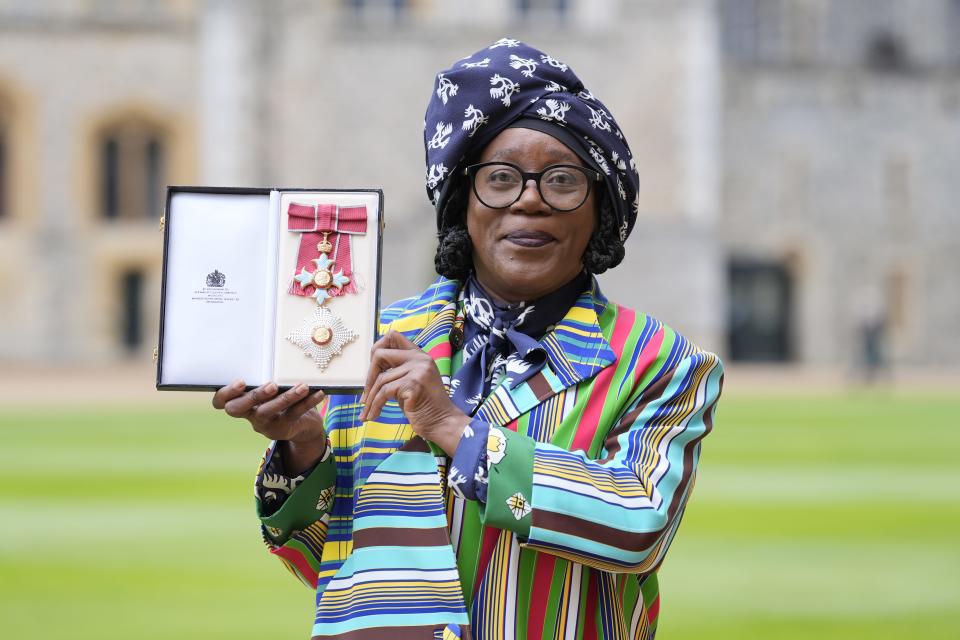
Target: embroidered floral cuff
[509, 482]
[287, 504]
[468, 469]
[273, 483]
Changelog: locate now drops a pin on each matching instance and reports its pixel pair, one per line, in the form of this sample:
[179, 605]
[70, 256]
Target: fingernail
[238, 383]
[271, 388]
[300, 389]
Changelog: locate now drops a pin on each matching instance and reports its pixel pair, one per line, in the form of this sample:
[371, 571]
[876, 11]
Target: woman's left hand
[401, 371]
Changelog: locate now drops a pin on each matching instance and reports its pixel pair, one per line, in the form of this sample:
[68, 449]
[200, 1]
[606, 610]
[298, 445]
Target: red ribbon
[339, 223]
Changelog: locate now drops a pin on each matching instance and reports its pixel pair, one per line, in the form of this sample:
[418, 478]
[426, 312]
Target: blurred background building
[840, 158]
[799, 158]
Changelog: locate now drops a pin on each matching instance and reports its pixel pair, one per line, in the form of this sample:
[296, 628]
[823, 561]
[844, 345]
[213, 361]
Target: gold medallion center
[322, 278]
[322, 335]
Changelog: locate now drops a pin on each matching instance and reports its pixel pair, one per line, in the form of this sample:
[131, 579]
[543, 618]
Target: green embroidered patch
[306, 504]
[510, 482]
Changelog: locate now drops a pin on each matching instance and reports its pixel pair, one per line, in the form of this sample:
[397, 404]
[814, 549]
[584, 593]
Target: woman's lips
[529, 238]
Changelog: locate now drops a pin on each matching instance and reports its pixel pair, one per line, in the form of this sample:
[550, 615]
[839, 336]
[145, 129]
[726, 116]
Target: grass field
[814, 517]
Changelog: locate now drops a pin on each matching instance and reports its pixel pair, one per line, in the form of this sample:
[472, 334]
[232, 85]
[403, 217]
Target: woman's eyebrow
[512, 153]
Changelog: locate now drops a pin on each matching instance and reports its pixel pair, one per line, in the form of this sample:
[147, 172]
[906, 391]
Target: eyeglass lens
[563, 187]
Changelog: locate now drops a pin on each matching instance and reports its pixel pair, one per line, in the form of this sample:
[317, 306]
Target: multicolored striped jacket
[591, 466]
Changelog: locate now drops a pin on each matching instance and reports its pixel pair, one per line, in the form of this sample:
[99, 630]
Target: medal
[322, 279]
[326, 232]
[322, 336]
[325, 242]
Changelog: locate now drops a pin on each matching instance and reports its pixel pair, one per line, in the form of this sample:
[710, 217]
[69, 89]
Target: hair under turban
[484, 93]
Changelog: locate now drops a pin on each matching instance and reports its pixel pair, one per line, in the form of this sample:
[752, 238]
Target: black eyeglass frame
[472, 170]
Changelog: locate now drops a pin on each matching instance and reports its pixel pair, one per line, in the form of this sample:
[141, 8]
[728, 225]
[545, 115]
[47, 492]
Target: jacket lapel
[576, 348]
[438, 310]
[576, 351]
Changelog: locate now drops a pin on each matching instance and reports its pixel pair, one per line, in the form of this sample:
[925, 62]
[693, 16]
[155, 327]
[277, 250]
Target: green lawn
[814, 517]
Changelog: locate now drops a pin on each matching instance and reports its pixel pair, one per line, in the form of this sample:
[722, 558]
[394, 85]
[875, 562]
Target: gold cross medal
[323, 278]
[322, 336]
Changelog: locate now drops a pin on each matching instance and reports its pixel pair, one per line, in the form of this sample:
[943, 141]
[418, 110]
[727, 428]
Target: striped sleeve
[618, 513]
[296, 531]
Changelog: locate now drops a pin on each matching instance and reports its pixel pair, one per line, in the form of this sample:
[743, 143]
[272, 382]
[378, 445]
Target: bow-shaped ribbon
[331, 223]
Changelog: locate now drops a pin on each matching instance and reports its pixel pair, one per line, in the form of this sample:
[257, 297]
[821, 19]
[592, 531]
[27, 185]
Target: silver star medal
[322, 335]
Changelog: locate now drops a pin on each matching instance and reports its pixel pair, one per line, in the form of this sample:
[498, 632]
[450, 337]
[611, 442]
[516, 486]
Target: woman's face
[527, 250]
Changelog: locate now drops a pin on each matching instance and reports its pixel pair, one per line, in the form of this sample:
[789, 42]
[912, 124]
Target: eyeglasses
[563, 187]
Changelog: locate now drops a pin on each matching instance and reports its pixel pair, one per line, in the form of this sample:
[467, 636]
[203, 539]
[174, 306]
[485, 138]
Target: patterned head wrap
[482, 94]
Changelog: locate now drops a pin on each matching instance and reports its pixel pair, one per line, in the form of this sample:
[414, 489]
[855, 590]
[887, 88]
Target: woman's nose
[530, 199]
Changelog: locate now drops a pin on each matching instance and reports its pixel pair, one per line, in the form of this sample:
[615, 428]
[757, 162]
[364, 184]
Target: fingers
[381, 359]
[296, 411]
[397, 340]
[240, 407]
[393, 340]
[227, 393]
[374, 393]
[272, 408]
[400, 388]
[384, 358]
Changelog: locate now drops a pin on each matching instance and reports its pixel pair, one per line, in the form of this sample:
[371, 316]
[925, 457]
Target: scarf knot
[501, 340]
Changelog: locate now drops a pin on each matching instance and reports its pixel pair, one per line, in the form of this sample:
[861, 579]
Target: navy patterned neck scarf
[500, 341]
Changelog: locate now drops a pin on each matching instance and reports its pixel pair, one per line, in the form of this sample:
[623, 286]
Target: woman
[521, 455]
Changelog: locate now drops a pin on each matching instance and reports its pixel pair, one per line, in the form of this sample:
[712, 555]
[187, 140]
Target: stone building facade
[841, 158]
[768, 152]
[96, 105]
[105, 102]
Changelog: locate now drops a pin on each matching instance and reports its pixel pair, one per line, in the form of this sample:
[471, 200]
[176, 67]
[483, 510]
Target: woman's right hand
[290, 417]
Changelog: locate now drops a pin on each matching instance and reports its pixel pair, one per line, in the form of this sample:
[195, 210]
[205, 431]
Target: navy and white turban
[483, 94]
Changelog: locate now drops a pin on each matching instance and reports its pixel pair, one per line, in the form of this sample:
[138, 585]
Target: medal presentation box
[277, 285]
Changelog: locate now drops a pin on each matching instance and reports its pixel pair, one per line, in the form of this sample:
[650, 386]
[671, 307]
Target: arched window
[542, 9]
[131, 310]
[132, 162]
[886, 52]
[761, 310]
[376, 12]
[953, 32]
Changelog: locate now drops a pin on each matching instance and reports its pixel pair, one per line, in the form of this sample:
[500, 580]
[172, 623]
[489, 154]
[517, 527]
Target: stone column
[234, 57]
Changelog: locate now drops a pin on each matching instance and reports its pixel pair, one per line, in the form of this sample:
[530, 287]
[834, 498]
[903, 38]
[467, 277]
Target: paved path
[88, 386]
